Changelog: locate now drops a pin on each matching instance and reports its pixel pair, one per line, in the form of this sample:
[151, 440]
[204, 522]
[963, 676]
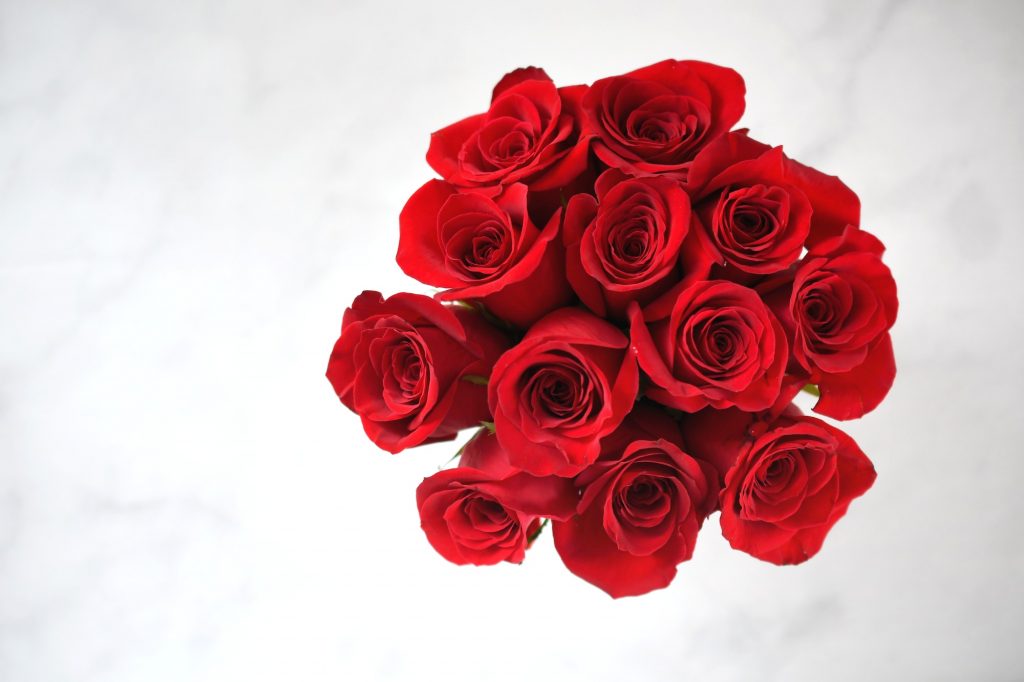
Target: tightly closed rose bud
[720, 346]
[401, 364]
[758, 207]
[838, 308]
[484, 249]
[554, 395]
[786, 483]
[530, 134]
[630, 243]
[655, 119]
[485, 513]
[642, 505]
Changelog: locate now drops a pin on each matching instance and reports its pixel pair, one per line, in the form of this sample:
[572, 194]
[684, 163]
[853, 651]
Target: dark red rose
[839, 305]
[472, 516]
[720, 346]
[759, 207]
[641, 507]
[401, 363]
[786, 482]
[484, 249]
[655, 119]
[630, 243]
[530, 134]
[568, 383]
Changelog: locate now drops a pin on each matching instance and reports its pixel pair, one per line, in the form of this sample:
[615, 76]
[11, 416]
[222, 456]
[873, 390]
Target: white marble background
[192, 191]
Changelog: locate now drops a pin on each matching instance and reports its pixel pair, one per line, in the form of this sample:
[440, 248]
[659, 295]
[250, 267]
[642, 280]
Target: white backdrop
[190, 194]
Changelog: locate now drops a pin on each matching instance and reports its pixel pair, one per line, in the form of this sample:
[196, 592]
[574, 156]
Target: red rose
[630, 243]
[786, 483]
[720, 346]
[655, 119]
[530, 134]
[472, 516]
[642, 505]
[839, 308]
[759, 207]
[400, 365]
[568, 383]
[485, 249]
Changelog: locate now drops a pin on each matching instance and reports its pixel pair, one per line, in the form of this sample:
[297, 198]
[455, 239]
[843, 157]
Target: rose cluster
[632, 292]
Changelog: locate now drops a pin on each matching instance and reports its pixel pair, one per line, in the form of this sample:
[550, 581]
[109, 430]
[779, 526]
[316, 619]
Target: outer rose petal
[584, 547]
[855, 393]
[513, 78]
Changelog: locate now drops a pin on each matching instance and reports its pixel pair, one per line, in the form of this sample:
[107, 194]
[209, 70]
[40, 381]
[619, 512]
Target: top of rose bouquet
[632, 292]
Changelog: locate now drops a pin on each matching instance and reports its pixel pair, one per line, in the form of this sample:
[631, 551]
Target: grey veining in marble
[192, 191]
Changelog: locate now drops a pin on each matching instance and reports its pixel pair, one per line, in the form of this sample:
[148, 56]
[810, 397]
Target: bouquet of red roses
[632, 294]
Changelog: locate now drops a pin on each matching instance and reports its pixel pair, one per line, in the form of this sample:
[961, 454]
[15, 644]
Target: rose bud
[642, 505]
[720, 346]
[401, 364]
[476, 516]
[530, 134]
[484, 249]
[554, 395]
[630, 243]
[758, 207]
[787, 482]
[655, 119]
[839, 305]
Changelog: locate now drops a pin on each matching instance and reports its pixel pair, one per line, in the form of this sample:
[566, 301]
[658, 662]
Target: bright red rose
[786, 482]
[568, 383]
[530, 134]
[838, 306]
[641, 507]
[655, 119]
[720, 346]
[630, 243]
[472, 516]
[401, 363]
[484, 249]
[758, 207]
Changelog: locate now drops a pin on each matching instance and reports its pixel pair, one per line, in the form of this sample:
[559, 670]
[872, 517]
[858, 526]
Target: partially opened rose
[720, 346]
[640, 509]
[839, 309]
[759, 208]
[474, 516]
[788, 483]
[401, 364]
[630, 242]
[484, 249]
[656, 119]
[555, 394]
[530, 134]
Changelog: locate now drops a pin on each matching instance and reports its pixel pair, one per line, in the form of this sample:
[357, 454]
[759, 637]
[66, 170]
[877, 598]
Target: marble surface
[190, 194]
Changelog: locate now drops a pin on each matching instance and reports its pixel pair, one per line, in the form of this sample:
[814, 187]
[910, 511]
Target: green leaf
[488, 425]
[536, 533]
[813, 390]
[475, 379]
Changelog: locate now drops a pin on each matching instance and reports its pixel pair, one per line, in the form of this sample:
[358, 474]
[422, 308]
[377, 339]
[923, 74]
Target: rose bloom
[655, 119]
[720, 346]
[631, 242]
[484, 249]
[759, 208]
[487, 513]
[787, 482]
[530, 134]
[554, 395]
[401, 365]
[838, 306]
[641, 507]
